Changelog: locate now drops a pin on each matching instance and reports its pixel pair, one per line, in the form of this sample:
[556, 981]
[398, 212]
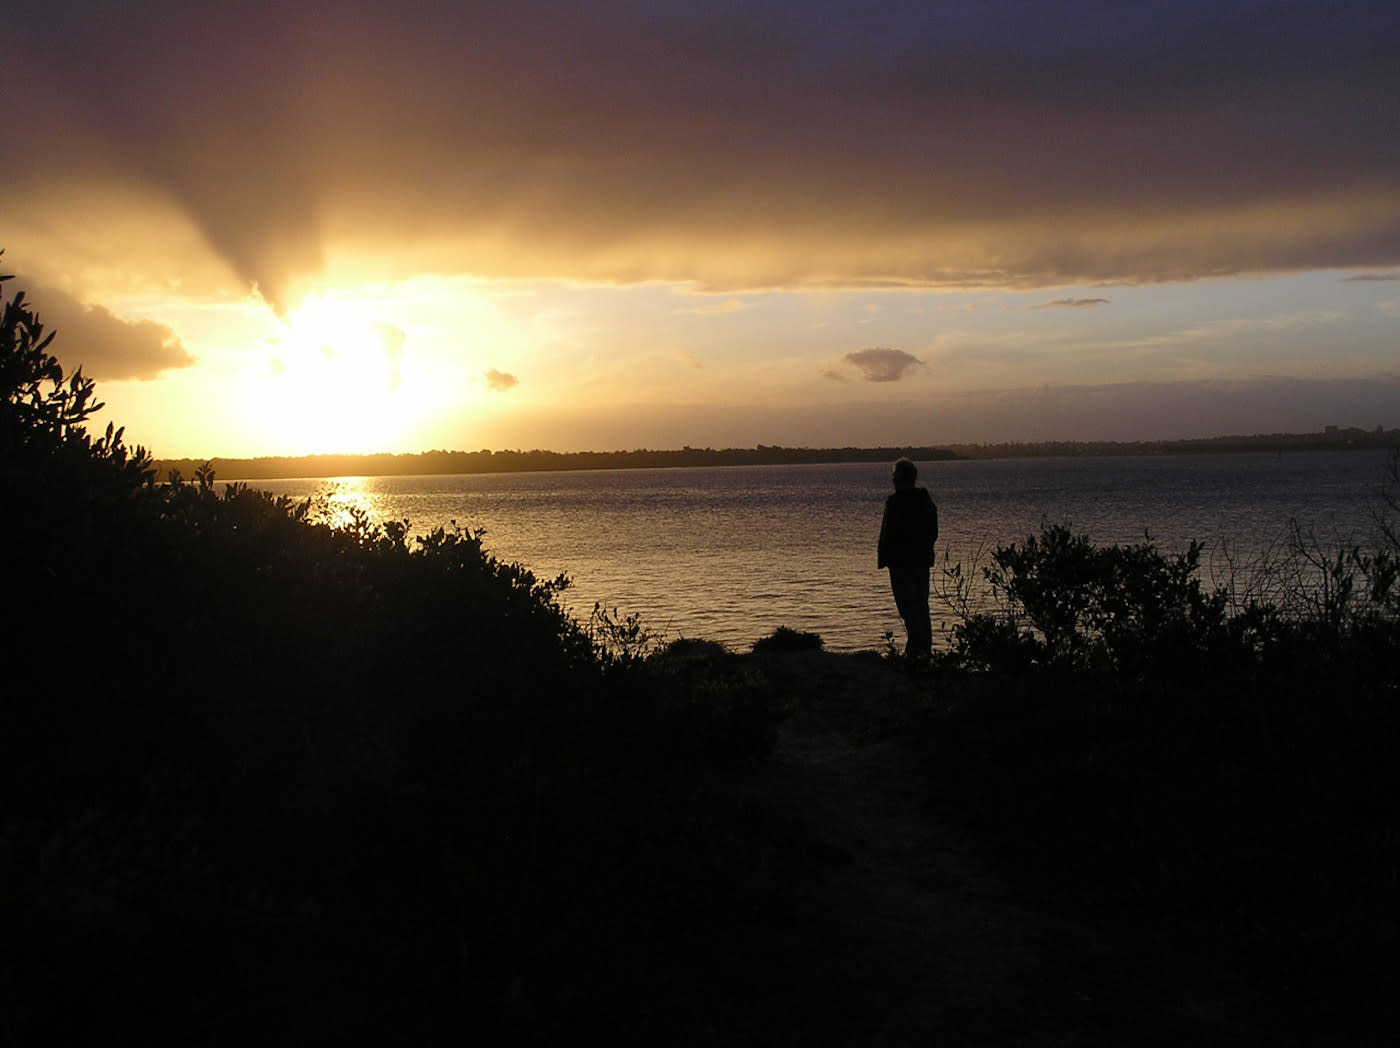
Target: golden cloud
[500, 381]
[103, 344]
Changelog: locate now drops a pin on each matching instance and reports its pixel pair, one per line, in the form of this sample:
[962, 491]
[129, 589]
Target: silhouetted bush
[1070, 604]
[720, 707]
[784, 638]
[1204, 784]
[282, 776]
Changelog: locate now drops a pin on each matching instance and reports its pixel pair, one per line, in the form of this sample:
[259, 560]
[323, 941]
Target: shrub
[785, 638]
[715, 705]
[1195, 781]
[43, 439]
[266, 760]
[1070, 603]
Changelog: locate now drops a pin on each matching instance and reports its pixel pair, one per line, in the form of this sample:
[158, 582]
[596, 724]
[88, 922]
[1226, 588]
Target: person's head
[904, 474]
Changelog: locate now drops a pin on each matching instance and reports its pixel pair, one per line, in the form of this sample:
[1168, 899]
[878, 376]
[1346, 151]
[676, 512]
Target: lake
[732, 553]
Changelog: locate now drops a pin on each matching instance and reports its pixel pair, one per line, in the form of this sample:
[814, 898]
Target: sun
[336, 380]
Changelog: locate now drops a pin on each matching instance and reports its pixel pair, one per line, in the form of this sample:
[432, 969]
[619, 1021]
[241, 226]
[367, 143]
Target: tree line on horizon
[439, 461]
[541, 461]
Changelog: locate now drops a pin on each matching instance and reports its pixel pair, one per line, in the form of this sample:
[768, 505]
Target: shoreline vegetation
[270, 779]
[438, 462]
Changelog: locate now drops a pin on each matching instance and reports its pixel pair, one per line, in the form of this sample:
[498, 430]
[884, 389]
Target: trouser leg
[910, 588]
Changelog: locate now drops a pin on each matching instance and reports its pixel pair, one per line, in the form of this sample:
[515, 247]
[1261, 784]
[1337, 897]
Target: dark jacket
[909, 529]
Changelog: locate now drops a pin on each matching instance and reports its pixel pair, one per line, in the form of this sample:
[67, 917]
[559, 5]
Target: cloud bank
[734, 146]
[103, 344]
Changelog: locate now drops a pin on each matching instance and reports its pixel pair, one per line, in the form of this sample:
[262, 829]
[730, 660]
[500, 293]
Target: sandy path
[934, 950]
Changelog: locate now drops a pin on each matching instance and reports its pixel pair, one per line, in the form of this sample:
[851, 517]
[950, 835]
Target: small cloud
[500, 381]
[1373, 278]
[880, 364]
[834, 375]
[1071, 303]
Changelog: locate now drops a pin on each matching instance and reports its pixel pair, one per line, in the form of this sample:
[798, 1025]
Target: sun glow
[336, 381]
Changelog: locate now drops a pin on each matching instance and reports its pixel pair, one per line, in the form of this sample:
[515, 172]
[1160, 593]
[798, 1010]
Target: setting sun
[336, 379]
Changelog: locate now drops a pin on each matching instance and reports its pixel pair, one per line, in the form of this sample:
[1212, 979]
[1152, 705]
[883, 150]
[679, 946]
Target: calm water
[730, 554]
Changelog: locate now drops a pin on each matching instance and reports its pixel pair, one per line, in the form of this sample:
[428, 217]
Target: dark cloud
[500, 381]
[737, 146]
[882, 365]
[1373, 278]
[1071, 303]
[103, 344]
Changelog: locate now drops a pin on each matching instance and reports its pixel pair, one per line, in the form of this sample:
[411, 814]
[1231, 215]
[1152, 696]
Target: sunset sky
[280, 228]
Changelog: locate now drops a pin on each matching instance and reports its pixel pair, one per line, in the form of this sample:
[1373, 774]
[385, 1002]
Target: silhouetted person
[907, 534]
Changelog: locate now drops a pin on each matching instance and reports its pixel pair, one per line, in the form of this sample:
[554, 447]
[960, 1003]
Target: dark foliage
[722, 708]
[1071, 604]
[263, 774]
[1209, 789]
[784, 638]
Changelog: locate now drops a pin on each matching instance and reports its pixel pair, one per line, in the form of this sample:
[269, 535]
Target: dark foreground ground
[912, 864]
[909, 918]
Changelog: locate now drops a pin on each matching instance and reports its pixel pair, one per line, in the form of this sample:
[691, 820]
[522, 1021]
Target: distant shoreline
[429, 463]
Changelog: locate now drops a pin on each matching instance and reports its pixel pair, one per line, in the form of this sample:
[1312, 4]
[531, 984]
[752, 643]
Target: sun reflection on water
[345, 502]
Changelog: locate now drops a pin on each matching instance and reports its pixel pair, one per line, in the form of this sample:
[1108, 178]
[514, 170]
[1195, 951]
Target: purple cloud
[880, 364]
[1071, 303]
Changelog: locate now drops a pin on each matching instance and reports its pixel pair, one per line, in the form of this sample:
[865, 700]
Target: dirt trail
[938, 951]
